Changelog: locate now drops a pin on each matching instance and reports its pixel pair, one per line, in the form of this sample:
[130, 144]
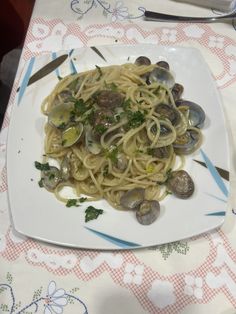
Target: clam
[65, 95]
[92, 145]
[71, 135]
[177, 91]
[169, 112]
[132, 198]
[109, 99]
[161, 76]
[142, 60]
[187, 143]
[164, 129]
[148, 212]
[180, 184]
[163, 64]
[60, 115]
[65, 169]
[196, 115]
[161, 152]
[51, 178]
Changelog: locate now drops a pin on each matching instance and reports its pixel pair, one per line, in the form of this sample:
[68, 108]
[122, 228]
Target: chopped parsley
[105, 171]
[112, 154]
[42, 167]
[100, 129]
[62, 126]
[150, 151]
[92, 213]
[63, 142]
[72, 202]
[126, 104]
[89, 117]
[82, 199]
[79, 109]
[40, 183]
[80, 106]
[135, 118]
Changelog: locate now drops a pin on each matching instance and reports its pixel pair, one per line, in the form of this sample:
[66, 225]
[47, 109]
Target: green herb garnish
[135, 119]
[40, 183]
[62, 126]
[105, 171]
[82, 199]
[126, 104]
[63, 142]
[150, 151]
[72, 202]
[112, 154]
[80, 106]
[79, 109]
[100, 129]
[92, 213]
[42, 167]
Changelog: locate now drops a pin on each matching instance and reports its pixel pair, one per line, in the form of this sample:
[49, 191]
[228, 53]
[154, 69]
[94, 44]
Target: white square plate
[36, 212]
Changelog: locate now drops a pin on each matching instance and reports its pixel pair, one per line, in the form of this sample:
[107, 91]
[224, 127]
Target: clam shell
[132, 198]
[60, 115]
[181, 184]
[162, 76]
[148, 212]
[71, 135]
[196, 116]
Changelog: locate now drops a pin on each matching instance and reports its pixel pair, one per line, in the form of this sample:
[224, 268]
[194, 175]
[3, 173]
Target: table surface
[196, 275]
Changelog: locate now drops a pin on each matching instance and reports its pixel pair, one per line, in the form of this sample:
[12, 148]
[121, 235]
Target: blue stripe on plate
[26, 79]
[54, 56]
[72, 67]
[216, 197]
[119, 242]
[217, 214]
[214, 174]
[70, 52]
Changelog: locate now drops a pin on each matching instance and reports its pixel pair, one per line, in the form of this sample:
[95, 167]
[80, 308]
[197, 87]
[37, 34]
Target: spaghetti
[111, 131]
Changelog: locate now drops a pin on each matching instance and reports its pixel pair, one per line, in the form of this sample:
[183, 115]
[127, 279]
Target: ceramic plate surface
[38, 214]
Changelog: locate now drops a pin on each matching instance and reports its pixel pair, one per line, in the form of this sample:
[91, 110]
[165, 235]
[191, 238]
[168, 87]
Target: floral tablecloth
[197, 275]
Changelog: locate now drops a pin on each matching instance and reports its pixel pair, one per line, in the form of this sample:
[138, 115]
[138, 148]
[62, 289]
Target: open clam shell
[188, 142]
[71, 135]
[60, 115]
[196, 116]
[162, 76]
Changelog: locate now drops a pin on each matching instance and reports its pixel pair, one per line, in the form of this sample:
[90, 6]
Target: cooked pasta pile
[111, 132]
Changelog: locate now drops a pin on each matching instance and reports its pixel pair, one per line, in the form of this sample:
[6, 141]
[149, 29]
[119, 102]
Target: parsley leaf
[100, 129]
[42, 167]
[80, 106]
[71, 202]
[40, 183]
[135, 118]
[126, 104]
[112, 154]
[82, 199]
[92, 213]
[74, 202]
[105, 171]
